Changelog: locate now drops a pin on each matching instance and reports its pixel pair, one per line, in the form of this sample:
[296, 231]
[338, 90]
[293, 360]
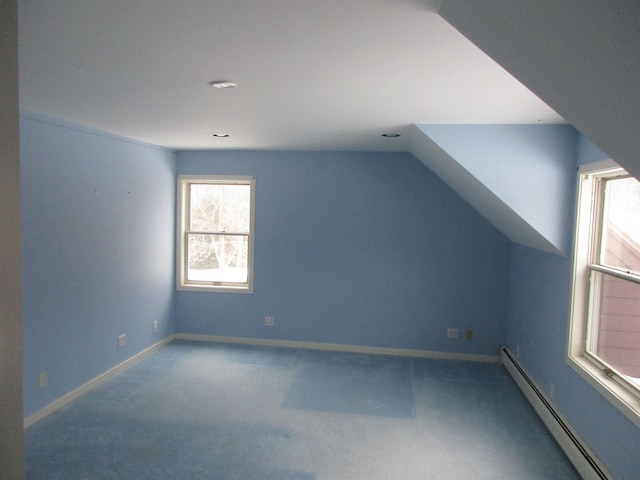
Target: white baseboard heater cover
[580, 455]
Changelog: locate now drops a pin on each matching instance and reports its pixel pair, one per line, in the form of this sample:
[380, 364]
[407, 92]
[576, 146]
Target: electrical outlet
[269, 321]
[552, 391]
[517, 351]
[469, 335]
[43, 379]
[452, 333]
[155, 326]
[122, 340]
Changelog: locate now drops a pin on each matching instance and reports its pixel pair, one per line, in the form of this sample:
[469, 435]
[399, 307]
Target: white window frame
[182, 214]
[617, 390]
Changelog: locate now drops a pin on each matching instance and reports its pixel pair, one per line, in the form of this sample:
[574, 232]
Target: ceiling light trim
[223, 84]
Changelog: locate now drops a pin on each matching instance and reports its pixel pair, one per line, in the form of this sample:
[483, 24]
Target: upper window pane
[220, 208]
[621, 224]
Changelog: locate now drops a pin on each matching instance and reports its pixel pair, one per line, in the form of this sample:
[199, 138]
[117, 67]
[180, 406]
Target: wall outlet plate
[269, 321]
[122, 340]
[452, 333]
[155, 326]
[43, 379]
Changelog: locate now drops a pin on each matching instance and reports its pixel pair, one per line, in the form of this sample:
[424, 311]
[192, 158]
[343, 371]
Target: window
[605, 318]
[215, 233]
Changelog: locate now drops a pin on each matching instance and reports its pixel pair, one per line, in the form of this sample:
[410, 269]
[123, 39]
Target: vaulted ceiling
[339, 74]
[311, 74]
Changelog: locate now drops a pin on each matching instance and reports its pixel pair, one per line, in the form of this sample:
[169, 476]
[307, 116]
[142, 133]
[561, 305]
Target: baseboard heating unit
[580, 455]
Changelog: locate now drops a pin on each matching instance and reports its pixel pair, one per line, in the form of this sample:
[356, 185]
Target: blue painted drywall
[587, 152]
[97, 252]
[357, 248]
[525, 166]
[538, 323]
[539, 303]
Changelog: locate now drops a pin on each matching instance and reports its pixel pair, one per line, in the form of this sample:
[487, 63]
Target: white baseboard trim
[335, 347]
[100, 379]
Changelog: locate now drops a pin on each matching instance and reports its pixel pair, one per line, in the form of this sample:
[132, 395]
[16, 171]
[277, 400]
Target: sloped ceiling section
[582, 57]
[519, 177]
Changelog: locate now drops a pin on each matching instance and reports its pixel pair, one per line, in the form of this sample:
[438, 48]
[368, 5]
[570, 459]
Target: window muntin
[605, 318]
[215, 239]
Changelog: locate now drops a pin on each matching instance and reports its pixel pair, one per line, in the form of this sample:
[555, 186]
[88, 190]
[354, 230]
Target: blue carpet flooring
[211, 411]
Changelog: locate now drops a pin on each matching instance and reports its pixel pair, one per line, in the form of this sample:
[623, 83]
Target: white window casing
[219, 278]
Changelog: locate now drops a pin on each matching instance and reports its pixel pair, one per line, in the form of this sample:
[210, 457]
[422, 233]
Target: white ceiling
[311, 74]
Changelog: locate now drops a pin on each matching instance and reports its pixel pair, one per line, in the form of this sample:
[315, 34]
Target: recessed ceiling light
[390, 135]
[220, 135]
[223, 84]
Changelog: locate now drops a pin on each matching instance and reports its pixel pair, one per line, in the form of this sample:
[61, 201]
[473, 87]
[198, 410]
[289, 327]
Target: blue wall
[97, 252]
[538, 326]
[357, 248]
[526, 166]
[587, 152]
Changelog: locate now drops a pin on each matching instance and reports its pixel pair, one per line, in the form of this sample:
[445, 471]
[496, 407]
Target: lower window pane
[616, 337]
[217, 258]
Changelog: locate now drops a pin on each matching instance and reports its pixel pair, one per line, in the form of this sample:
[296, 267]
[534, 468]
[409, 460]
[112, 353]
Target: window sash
[603, 227]
[241, 270]
[616, 272]
[597, 270]
[225, 209]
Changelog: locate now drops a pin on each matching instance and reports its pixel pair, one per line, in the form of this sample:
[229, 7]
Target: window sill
[621, 398]
[215, 288]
